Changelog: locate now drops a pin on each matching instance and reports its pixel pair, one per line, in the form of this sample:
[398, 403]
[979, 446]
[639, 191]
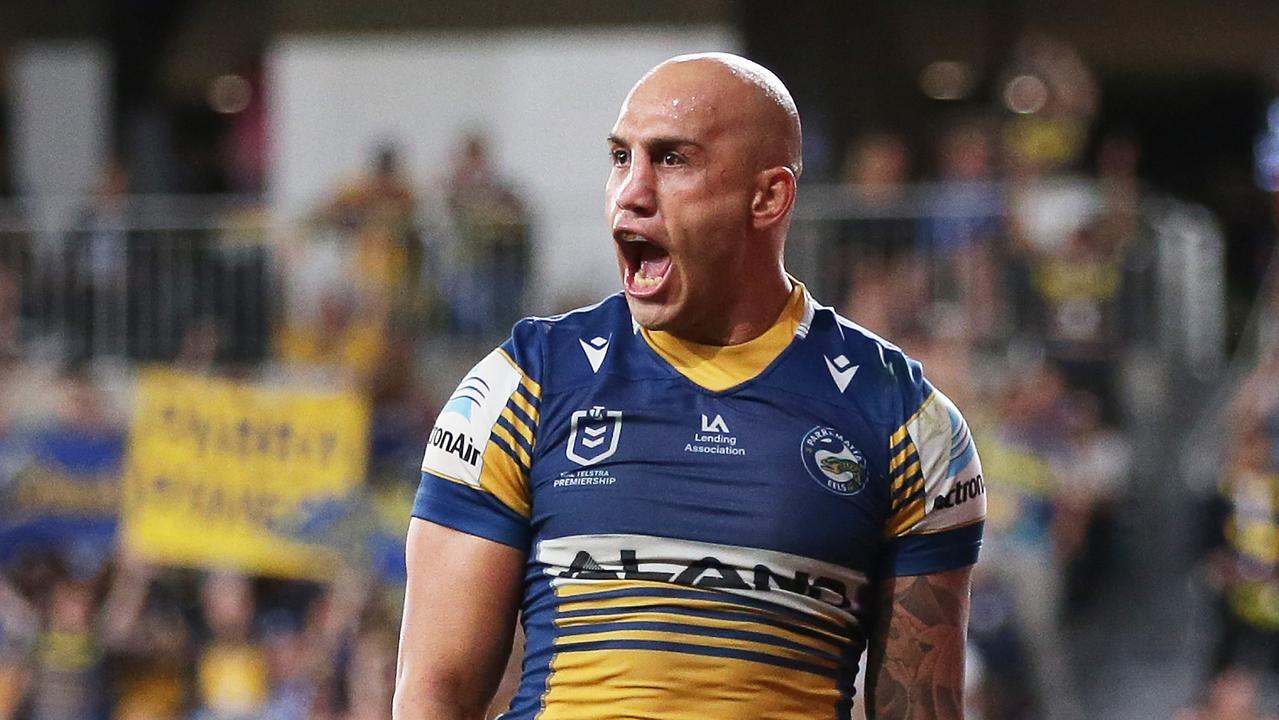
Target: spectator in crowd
[876, 169]
[869, 261]
[962, 229]
[202, 343]
[19, 625]
[403, 412]
[292, 682]
[360, 269]
[97, 263]
[964, 209]
[70, 679]
[1098, 461]
[1021, 554]
[376, 216]
[1232, 695]
[10, 308]
[1055, 97]
[1243, 564]
[342, 345]
[231, 664]
[492, 253]
[1079, 286]
[384, 196]
[371, 673]
[149, 641]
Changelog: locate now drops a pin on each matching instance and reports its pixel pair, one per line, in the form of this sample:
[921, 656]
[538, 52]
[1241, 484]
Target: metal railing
[132, 278]
[137, 279]
[1164, 279]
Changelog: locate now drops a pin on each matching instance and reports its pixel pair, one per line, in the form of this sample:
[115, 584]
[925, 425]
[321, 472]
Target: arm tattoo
[915, 665]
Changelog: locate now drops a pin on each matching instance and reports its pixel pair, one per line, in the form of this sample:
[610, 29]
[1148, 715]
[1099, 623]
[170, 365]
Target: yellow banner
[225, 474]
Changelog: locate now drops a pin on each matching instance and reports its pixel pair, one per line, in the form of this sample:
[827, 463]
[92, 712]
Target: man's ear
[774, 197]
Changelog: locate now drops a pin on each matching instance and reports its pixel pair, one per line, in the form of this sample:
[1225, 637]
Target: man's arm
[915, 665]
[460, 605]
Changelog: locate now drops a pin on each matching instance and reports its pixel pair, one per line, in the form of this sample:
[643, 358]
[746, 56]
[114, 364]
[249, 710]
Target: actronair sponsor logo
[455, 443]
[962, 492]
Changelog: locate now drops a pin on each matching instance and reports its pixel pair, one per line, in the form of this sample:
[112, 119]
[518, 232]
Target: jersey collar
[720, 367]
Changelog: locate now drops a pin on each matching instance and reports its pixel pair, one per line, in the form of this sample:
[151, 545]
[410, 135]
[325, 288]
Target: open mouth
[647, 264]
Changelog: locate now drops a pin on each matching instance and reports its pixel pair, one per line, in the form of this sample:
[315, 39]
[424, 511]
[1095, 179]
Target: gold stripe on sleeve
[525, 431]
[510, 440]
[502, 477]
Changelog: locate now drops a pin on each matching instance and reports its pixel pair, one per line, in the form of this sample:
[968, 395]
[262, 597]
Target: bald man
[708, 495]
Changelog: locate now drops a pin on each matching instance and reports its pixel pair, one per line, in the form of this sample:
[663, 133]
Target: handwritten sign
[226, 474]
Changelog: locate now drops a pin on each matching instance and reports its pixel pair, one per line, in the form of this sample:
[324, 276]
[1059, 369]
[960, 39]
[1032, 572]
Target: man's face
[678, 200]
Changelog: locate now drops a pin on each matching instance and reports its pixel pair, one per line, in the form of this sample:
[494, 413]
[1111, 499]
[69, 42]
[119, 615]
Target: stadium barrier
[1058, 264]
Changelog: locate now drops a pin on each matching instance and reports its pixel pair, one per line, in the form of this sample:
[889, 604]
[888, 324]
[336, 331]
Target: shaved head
[762, 102]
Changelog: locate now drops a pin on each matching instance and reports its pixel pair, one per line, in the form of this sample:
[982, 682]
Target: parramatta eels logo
[833, 461]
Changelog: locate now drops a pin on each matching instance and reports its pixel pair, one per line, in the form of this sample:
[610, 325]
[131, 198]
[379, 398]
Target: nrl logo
[594, 435]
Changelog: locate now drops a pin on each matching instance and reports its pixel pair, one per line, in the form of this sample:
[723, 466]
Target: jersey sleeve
[475, 474]
[938, 495]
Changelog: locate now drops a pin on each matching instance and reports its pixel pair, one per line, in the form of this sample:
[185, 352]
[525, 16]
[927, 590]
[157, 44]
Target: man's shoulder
[587, 331]
[604, 317]
[886, 377]
[610, 309]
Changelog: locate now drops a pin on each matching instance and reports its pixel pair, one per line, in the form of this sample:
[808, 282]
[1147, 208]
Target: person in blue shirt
[708, 495]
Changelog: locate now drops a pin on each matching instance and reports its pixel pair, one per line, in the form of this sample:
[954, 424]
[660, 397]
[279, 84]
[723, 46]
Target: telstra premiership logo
[594, 435]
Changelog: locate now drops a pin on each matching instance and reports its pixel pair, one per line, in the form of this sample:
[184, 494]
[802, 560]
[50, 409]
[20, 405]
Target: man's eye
[619, 157]
[672, 158]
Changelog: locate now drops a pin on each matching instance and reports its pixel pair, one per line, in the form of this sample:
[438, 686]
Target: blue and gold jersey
[704, 525]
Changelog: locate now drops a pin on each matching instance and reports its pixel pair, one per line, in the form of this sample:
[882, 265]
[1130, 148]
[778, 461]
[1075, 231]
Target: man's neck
[751, 314]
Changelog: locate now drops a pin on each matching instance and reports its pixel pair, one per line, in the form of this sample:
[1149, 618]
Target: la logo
[717, 425]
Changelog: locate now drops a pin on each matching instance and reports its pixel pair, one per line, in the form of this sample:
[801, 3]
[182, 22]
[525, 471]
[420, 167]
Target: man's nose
[636, 191]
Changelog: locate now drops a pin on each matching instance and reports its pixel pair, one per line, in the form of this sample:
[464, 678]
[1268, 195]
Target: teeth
[644, 281]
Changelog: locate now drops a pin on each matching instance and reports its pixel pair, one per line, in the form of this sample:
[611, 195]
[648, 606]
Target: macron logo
[716, 426]
[841, 371]
[595, 350]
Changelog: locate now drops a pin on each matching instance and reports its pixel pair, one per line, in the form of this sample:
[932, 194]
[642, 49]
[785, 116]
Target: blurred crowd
[1240, 533]
[141, 281]
[1015, 257]
[90, 630]
[1027, 327]
[1007, 252]
[134, 641]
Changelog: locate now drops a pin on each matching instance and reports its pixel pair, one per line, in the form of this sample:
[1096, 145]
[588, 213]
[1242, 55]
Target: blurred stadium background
[248, 247]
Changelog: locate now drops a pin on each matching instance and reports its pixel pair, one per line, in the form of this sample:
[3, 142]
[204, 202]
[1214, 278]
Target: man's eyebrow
[667, 141]
[661, 141]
